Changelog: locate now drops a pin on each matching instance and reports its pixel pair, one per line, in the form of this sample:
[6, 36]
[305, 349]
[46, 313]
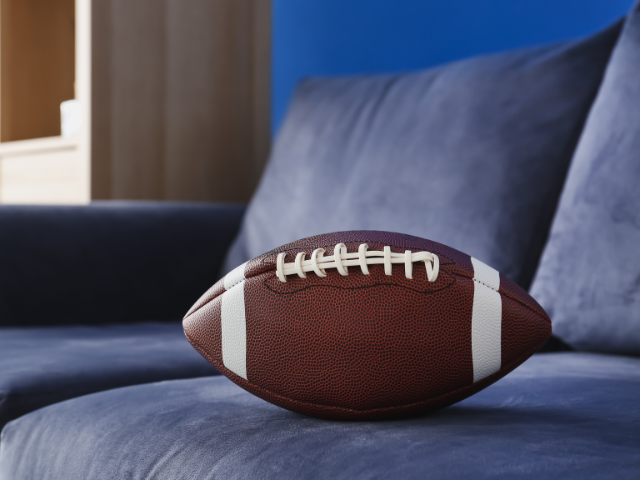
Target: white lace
[342, 260]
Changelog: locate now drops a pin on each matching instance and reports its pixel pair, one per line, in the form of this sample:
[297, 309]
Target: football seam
[271, 264]
[227, 289]
[482, 283]
[505, 294]
[363, 287]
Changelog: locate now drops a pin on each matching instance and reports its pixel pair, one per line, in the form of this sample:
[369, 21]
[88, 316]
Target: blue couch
[525, 160]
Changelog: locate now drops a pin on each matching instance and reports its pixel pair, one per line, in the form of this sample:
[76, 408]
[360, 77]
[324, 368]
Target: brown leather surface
[523, 330]
[510, 289]
[215, 291]
[364, 346]
[203, 330]
[358, 347]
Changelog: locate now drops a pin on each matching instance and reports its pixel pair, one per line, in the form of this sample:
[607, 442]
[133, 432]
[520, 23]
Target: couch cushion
[472, 154]
[45, 365]
[589, 276]
[562, 416]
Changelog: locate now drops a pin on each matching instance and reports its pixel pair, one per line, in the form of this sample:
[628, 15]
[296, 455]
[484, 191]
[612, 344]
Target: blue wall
[337, 37]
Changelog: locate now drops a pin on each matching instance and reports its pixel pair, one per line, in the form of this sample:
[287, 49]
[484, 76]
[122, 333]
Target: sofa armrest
[110, 262]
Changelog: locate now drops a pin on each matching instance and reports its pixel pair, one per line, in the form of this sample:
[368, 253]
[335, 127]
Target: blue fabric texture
[472, 155]
[44, 365]
[559, 416]
[589, 276]
[109, 262]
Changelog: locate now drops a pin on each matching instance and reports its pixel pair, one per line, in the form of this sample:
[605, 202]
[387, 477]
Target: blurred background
[180, 99]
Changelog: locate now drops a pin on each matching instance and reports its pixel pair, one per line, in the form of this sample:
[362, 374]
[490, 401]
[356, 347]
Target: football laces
[342, 260]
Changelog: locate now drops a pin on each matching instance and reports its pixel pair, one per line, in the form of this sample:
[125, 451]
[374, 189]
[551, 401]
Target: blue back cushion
[472, 155]
[589, 276]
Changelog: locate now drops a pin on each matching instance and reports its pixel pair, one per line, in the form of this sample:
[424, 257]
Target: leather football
[365, 325]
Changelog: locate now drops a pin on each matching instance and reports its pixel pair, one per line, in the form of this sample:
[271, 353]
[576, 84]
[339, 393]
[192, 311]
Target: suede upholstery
[472, 154]
[45, 365]
[545, 420]
[589, 276]
[101, 265]
[109, 262]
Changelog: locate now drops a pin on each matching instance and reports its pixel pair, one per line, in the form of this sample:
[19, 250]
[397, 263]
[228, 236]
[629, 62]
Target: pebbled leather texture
[364, 346]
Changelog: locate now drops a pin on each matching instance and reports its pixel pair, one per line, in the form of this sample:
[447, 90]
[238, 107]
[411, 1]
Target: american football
[365, 325]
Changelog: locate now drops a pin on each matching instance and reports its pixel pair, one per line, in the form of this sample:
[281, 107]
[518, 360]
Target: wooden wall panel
[192, 133]
[262, 22]
[181, 108]
[37, 57]
[100, 80]
[137, 98]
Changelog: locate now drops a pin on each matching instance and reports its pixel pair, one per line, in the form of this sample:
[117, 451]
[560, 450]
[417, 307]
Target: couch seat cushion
[45, 365]
[566, 415]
